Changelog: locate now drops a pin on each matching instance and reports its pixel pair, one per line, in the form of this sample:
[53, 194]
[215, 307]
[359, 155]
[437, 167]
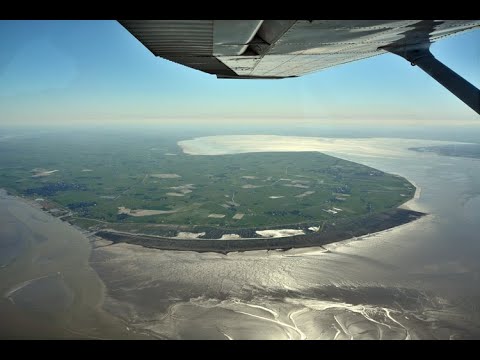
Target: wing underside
[282, 48]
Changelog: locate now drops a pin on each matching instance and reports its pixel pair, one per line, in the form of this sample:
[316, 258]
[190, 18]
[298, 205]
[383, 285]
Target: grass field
[127, 179]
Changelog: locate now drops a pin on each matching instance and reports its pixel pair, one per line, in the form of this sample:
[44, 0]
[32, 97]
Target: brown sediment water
[47, 287]
[416, 281]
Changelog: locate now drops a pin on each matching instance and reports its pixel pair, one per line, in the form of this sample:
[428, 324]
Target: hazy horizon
[432, 131]
[89, 72]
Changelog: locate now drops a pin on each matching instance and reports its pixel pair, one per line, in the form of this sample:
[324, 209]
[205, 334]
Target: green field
[99, 174]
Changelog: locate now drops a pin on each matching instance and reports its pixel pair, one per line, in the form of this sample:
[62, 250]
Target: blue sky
[62, 72]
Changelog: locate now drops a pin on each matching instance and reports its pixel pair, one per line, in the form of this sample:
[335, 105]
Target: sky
[90, 72]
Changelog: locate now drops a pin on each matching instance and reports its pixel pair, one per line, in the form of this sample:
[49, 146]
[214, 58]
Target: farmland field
[148, 185]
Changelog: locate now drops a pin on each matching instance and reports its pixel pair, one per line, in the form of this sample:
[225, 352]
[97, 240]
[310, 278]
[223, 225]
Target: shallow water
[419, 280]
[48, 289]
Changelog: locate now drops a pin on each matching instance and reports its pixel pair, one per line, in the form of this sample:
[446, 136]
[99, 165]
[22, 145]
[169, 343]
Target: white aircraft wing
[273, 49]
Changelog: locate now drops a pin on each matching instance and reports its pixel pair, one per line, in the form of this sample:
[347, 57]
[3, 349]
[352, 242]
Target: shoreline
[358, 227]
[375, 224]
[409, 204]
[223, 246]
[247, 239]
[336, 230]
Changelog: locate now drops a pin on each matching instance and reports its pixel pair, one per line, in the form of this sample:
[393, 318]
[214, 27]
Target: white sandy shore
[410, 204]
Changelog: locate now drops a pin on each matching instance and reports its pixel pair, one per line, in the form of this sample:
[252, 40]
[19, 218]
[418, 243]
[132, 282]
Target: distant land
[457, 150]
[126, 190]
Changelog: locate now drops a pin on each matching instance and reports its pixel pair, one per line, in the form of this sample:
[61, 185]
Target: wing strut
[424, 59]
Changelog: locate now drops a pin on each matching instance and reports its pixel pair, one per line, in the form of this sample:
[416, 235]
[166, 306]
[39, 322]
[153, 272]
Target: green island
[150, 193]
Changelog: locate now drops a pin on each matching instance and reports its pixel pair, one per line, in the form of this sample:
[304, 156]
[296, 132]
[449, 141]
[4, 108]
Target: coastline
[331, 234]
[360, 227]
[219, 240]
[410, 204]
[418, 265]
[106, 237]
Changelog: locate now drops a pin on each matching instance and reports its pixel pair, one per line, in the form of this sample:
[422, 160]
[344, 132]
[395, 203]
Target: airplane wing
[274, 49]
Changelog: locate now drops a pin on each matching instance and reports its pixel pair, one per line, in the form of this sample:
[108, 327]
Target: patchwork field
[137, 185]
